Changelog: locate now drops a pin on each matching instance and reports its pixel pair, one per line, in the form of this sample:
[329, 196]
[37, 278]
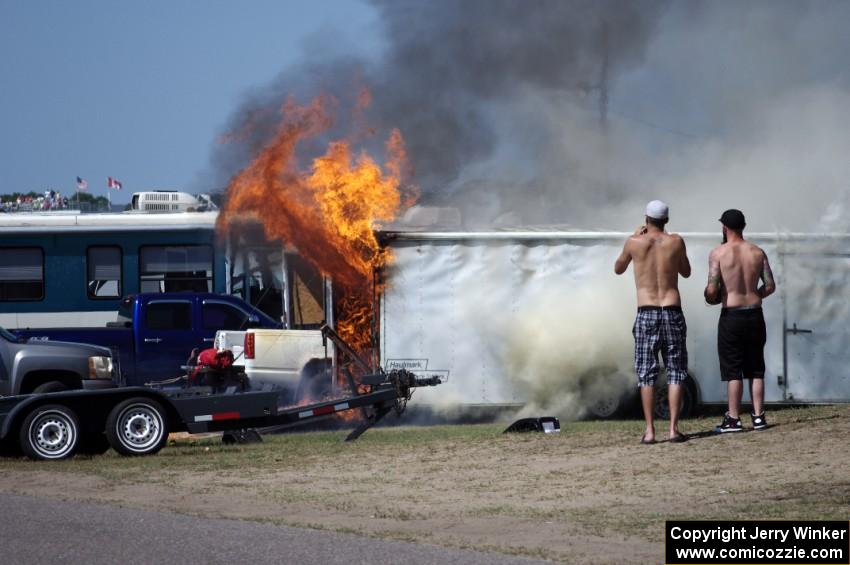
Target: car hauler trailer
[137, 420]
[512, 315]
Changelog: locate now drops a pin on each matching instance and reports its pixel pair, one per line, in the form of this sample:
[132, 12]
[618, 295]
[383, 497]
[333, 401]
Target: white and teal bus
[65, 268]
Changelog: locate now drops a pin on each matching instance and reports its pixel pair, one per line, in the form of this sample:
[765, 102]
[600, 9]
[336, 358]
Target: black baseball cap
[733, 219]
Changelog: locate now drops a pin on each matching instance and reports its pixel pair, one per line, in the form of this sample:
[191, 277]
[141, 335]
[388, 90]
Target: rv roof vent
[158, 201]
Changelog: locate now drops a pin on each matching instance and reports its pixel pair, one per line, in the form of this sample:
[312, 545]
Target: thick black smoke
[452, 63]
[579, 111]
[451, 73]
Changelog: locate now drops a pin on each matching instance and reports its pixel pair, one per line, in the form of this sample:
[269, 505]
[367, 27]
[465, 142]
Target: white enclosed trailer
[532, 317]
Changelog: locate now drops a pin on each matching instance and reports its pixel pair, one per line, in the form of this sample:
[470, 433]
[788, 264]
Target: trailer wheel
[607, 407]
[50, 432]
[137, 426]
[690, 400]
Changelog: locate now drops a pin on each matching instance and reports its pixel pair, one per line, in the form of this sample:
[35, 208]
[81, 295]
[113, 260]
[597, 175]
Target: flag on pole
[82, 184]
[113, 183]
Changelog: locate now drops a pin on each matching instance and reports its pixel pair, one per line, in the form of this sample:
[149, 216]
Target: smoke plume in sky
[503, 107]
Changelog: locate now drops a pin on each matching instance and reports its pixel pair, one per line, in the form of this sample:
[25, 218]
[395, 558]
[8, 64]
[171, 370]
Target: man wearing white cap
[659, 259]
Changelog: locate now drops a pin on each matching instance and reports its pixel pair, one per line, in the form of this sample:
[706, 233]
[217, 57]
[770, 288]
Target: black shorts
[741, 336]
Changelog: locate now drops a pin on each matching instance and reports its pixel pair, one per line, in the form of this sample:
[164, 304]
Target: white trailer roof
[26, 222]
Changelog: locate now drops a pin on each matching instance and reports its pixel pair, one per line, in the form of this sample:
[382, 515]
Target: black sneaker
[730, 424]
[759, 422]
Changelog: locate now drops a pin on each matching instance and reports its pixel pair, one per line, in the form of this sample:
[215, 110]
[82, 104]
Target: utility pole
[605, 158]
[603, 81]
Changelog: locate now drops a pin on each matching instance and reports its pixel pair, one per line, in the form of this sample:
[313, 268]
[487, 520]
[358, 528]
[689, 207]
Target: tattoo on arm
[766, 273]
[713, 271]
[769, 285]
[712, 289]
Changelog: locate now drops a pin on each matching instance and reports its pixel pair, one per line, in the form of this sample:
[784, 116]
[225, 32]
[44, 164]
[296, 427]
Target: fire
[328, 212]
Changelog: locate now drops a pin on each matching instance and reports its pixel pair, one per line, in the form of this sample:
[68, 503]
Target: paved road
[37, 530]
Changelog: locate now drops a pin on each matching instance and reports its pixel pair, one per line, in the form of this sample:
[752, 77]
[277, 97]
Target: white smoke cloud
[571, 348]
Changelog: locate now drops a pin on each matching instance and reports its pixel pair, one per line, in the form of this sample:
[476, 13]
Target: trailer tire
[50, 432]
[690, 400]
[137, 426]
[608, 407]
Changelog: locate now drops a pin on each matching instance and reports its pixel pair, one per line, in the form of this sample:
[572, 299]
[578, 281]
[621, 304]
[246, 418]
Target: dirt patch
[590, 494]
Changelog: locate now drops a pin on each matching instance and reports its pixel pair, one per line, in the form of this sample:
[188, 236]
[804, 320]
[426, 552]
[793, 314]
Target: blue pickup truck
[155, 333]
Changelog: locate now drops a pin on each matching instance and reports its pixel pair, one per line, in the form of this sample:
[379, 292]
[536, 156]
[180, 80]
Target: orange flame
[328, 212]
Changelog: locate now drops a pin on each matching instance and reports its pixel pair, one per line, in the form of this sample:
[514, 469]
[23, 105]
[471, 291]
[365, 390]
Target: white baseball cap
[657, 210]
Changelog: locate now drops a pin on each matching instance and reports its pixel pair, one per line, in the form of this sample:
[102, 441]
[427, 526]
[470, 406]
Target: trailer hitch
[402, 382]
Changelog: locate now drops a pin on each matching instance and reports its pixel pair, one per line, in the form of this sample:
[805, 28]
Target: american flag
[113, 183]
[82, 184]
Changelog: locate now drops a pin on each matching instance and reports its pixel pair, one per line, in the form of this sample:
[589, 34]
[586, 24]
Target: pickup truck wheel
[315, 381]
[137, 426]
[50, 432]
[50, 386]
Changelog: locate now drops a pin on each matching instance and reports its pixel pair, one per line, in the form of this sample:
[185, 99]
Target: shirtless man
[734, 271]
[659, 259]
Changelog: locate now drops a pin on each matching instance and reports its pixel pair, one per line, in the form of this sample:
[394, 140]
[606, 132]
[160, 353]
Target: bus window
[176, 268]
[103, 268]
[21, 274]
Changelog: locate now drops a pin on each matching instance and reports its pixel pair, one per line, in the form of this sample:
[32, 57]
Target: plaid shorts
[660, 329]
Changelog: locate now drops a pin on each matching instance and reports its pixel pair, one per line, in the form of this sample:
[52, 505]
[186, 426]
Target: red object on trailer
[214, 359]
[211, 360]
[215, 368]
[248, 348]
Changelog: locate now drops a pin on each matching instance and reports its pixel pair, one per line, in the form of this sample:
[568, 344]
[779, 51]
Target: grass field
[589, 494]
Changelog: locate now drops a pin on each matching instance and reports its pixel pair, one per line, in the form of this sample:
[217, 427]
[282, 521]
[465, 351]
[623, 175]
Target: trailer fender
[15, 415]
